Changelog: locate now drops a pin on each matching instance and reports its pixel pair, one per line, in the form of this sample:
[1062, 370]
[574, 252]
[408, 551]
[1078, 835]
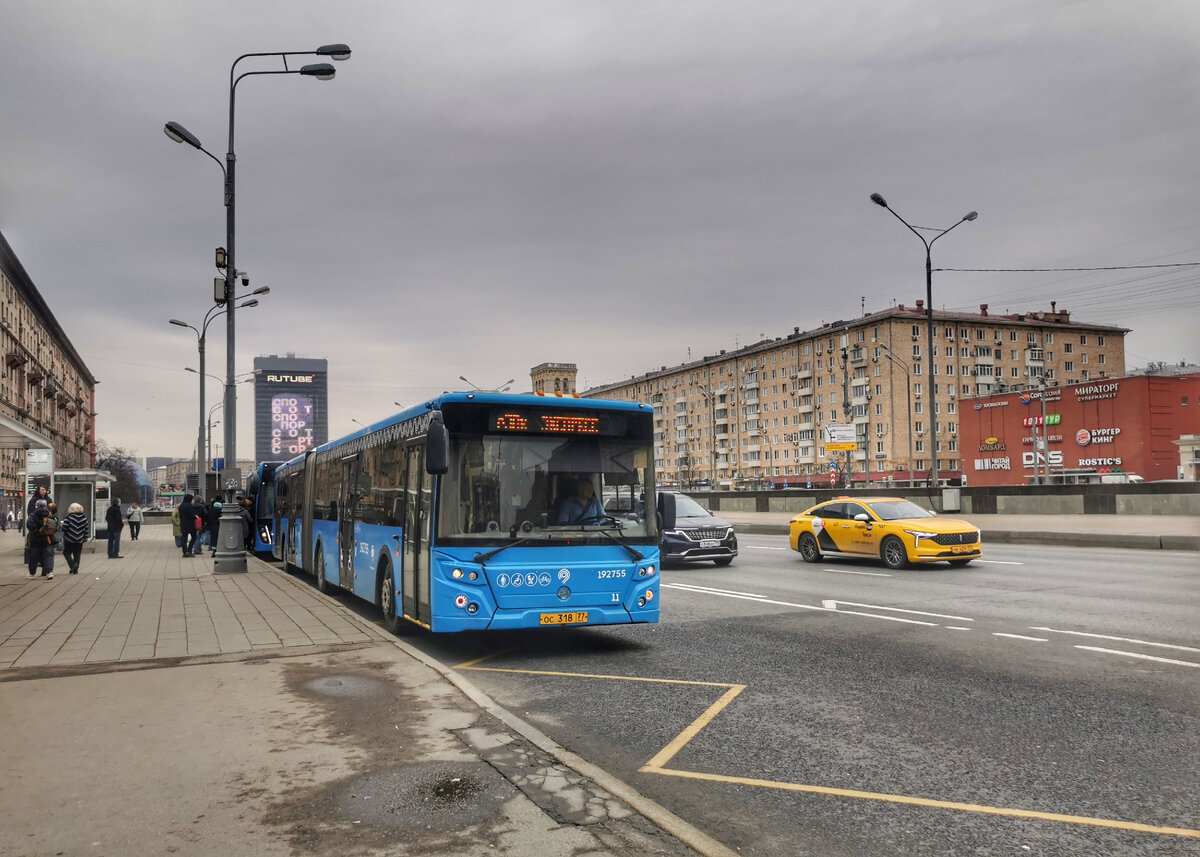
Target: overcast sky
[620, 184]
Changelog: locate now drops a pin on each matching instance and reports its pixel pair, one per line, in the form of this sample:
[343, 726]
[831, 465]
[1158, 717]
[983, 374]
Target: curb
[1083, 540]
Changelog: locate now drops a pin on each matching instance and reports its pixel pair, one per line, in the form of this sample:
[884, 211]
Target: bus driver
[582, 507]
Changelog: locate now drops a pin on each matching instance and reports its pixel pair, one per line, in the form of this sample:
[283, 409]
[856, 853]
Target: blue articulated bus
[260, 488]
[482, 511]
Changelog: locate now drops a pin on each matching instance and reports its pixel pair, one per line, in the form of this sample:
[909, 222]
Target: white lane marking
[1020, 637]
[1136, 655]
[999, 562]
[1118, 639]
[956, 628]
[832, 605]
[693, 587]
[766, 548]
[759, 599]
[846, 571]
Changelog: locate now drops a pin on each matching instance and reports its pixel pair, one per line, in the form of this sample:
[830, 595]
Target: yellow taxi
[894, 529]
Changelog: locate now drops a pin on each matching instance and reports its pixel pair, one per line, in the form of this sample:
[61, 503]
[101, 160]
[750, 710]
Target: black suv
[699, 535]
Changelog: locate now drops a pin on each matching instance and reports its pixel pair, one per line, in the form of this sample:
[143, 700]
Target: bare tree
[119, 462]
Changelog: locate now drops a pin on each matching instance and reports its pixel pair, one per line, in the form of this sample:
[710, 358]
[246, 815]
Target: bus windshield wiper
[634, 552]
[481, 558]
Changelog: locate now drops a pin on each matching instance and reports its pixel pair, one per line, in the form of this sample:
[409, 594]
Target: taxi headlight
[918, 534]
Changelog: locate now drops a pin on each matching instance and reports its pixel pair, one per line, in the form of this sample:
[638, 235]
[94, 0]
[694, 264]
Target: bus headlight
[646, 572]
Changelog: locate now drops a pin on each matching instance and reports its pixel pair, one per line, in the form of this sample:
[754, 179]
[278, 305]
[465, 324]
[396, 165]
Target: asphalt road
[1040, 701]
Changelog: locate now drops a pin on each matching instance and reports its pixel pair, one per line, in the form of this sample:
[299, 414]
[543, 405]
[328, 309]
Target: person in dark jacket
[116, 523]
[38, 542]
[76, 529]
[213, 524]
[187, 523]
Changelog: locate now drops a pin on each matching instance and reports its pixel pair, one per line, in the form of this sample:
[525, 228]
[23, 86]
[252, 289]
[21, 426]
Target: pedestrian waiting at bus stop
[39, 543]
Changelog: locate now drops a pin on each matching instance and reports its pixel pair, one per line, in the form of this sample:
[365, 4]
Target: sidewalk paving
[204, 714]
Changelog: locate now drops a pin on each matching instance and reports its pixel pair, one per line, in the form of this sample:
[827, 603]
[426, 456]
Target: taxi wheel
[959, 563]
[893, 554]
[809, 551]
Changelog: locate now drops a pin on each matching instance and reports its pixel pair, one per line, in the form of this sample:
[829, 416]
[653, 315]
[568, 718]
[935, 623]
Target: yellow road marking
[926, 802]
[655, 765]
[668, 752]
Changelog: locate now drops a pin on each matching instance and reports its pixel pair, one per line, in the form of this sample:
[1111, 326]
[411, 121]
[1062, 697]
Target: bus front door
[418, 491]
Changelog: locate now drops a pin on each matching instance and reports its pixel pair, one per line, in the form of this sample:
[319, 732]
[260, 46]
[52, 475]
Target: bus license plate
[576, 618]
[710, 543]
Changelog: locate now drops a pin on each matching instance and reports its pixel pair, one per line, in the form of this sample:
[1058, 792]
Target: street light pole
[232, 555]
[970, 215]
[201, 338]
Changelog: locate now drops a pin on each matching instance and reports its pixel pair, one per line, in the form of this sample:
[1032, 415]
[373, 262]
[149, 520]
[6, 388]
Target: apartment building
[757, 415]
[47, 393]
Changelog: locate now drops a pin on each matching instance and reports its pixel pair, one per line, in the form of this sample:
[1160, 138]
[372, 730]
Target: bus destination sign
[543, 422]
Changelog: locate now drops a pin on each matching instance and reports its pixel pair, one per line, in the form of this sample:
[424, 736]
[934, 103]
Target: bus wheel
[387, 600]
[319, 571]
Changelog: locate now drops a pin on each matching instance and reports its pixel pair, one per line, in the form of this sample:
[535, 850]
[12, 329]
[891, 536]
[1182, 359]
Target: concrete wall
[1160, 498]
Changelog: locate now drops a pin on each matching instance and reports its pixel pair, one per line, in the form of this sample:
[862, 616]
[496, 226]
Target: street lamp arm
[969, 216]
[913, 230]
[182, 135]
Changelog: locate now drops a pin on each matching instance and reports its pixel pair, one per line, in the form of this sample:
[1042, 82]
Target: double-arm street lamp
[233, 543]
[928, 242]
[201, 335]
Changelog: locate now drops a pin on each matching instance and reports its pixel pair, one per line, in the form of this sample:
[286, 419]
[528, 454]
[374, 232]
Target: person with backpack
[75, 531]
[39, 543]
[116, 523]
[202, 535]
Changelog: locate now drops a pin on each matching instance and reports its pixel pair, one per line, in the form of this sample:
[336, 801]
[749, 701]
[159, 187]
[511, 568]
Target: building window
[1099, 340]
[1069, 366]
[1083, 339]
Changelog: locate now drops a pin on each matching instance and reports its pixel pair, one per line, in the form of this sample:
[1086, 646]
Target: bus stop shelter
[13, 435]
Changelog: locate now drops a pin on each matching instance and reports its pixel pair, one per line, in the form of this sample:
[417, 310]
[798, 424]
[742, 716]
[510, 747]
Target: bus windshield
[501, 487]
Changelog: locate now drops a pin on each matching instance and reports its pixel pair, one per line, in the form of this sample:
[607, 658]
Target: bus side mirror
[437, 446]
[666, 512]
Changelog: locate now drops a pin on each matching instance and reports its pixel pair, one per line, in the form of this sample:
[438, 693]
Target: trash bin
[951, 499]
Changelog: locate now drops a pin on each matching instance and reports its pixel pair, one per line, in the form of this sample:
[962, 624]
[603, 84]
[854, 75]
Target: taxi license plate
[962, 549]
[710, 543]
[577, 618]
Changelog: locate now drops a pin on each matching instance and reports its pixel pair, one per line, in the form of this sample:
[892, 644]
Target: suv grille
[957, 538]
[706, 533]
